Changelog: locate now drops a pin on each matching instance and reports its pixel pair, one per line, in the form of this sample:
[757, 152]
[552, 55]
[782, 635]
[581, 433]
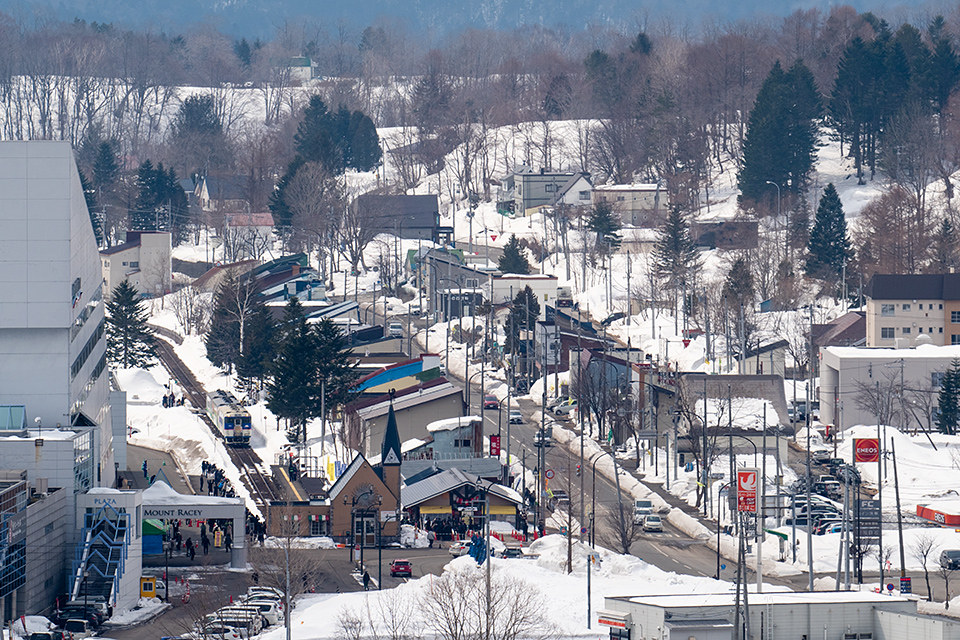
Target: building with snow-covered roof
[247, 235]
[453, 494]
[524, 188]
[850, 615]
[846, 372]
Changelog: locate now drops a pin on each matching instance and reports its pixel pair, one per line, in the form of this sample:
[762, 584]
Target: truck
[641, 509]
[564, 297]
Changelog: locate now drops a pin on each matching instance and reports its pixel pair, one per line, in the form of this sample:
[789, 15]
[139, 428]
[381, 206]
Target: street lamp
[353, 515]
[616, 476]
[778, 216]
[484, 493]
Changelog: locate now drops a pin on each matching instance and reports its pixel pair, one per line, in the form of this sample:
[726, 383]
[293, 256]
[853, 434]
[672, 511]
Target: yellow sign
[148, 587]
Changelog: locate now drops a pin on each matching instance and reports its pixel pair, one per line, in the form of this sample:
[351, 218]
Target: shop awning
[435, 510]
[502, 510]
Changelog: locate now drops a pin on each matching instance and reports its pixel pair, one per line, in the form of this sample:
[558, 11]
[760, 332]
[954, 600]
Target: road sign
[647, 435]
[866, 449]
[905, 586]
[747, 483]
[468, 509]
[549, 474]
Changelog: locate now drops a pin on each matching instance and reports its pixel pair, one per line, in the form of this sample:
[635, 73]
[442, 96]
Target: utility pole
[896, 488]
[629, 306]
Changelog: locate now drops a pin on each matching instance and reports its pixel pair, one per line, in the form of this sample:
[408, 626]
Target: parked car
[828, 527]
[512, 552]
[950, 559]
[820, 456]
[271, 610]
[219, 632]
[554, 402]
[46, 635]
[566, 407]
[459, 548]
[78, 629]
[652, 522]
[401, 567]
[395, 330]
[516, 417]
[543, 437]
[491, 402]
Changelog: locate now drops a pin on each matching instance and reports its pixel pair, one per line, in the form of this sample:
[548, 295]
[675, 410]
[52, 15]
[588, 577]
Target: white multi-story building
[52, 343]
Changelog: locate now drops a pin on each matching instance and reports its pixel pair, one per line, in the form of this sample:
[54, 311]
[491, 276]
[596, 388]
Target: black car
[88, 613]
[950, 559]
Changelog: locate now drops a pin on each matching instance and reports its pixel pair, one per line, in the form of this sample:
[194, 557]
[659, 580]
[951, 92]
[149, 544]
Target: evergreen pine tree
[829, 246]
[739, 284]
[675, 255]
[364, 143]
[336, 375]
[289, 390]
[782, 130]
[513, 260]
[144, 215]
[130, 343]
[105, 167]
[605, 223]
[282, 214]
[90, 196]
[948, 400]
[524, 312]
[315, 138]
[258, 348]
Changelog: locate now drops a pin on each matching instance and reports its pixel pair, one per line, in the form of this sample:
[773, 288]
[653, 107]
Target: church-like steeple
[390, 450]
[390, 455]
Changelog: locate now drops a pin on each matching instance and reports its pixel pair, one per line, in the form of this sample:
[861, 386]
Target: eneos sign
[747, 487]
[866, 450]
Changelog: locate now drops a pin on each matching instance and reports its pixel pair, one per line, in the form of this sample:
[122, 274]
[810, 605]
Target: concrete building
[47, 549]
[144, 261]
[639, 205]
[848, 615]
[415, 407]
[846, 372]
[52, 347]
[900, 308]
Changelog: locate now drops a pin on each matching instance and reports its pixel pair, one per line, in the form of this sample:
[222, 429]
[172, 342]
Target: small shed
[152, 539]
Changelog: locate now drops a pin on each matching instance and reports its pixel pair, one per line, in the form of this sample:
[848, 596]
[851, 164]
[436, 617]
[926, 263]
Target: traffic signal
[578, 471]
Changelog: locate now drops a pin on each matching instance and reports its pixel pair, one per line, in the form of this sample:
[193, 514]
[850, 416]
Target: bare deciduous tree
[880, 397]
[192, 310]
[621, 529]
[923, 549]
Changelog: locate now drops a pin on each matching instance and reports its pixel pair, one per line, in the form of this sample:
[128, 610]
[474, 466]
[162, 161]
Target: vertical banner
[747, 490]
[494, 446]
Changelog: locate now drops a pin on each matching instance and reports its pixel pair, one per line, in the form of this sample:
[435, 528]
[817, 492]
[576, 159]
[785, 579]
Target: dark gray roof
[410, 212]
[413, 494]
[928, 286]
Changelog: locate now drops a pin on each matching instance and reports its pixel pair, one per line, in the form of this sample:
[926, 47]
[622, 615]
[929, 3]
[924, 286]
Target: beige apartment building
[900, 308]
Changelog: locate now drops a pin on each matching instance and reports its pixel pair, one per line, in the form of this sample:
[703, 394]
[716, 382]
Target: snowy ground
[559, 598]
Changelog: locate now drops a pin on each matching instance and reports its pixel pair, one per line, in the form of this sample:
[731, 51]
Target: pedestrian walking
[227, 542]
[366, 580]
[144, 467]
[205, 543]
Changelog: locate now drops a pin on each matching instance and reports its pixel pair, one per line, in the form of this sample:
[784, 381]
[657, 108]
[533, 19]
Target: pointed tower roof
[390, 451]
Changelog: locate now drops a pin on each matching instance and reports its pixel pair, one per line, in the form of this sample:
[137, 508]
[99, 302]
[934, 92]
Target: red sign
[495, 446]
[747, 483]
[493, 237]
[940, 517]
[866, 449]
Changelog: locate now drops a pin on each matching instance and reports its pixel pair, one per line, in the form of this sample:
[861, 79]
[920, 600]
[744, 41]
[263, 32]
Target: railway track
[261, 485]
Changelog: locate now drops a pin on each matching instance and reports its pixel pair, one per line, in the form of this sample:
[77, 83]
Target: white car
[565, 408]
[460, 548]
[271, 610]
[652, 523]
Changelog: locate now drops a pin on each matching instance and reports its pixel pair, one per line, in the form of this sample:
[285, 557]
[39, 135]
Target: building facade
[144, 260]
[639, 205]
[902, 307]
[849, 372]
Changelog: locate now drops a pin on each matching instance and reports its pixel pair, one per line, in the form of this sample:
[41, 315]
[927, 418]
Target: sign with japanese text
[747, 488]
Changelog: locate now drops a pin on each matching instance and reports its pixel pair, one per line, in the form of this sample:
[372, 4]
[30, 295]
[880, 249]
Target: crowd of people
[217, 483]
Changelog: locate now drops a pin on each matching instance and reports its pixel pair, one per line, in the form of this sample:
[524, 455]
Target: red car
[491, 402]
[401, 568]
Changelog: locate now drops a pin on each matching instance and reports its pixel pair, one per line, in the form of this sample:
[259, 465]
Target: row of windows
[891, 309]
[88, 387]
[87, 350]
[87, 311]
[890, 332]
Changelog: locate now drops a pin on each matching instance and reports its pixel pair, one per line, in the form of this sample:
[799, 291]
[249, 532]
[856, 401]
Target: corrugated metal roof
[449, 480]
